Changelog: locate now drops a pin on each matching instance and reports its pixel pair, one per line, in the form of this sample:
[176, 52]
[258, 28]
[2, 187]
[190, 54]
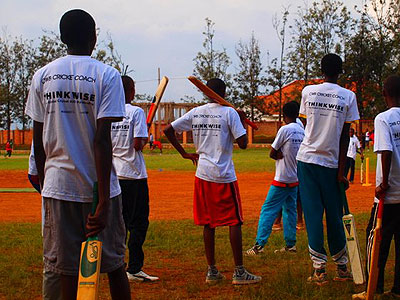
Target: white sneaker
[141, 276]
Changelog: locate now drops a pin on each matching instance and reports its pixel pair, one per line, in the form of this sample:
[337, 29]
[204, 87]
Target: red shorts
[216, 204]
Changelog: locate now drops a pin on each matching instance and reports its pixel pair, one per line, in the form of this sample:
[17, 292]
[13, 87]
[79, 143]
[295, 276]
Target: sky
[165, 34]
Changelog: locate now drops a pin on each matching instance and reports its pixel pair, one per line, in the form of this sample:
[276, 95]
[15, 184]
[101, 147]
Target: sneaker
[141, 276]
[343, 275]
[318, 277]
[242, 276]
[286, 250]
[255, 250]
[214, 276]
[276, 227]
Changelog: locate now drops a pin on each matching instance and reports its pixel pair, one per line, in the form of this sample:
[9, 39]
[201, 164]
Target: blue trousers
[278, 198]
[319, 191]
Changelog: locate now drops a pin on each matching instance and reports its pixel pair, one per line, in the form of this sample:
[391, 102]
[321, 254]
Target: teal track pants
[319, 193]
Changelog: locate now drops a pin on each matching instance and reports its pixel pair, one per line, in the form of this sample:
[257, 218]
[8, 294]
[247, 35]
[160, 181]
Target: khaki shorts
[64, 231]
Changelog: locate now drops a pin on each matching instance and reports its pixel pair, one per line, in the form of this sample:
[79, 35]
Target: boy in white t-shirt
[387, 147]
[216, 195]
[129, 137]
[283, 191]
[328, 109]
[73, 101]
[354, 145]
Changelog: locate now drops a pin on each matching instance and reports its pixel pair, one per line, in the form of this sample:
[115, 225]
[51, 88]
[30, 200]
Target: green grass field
[174, 251]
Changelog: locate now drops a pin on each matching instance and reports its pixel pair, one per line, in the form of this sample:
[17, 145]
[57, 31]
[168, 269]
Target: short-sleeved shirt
[387, 138]
[32, 170]
[354, 144]
[68, 96]
[214, 128]
[129, 163]
[326, 107]
[288, 140]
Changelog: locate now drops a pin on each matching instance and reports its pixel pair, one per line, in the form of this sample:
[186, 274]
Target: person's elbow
[242, 142]
[169, 130]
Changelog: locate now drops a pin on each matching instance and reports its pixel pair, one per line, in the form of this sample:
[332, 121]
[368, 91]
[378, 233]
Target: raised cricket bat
[89, 267]
[374, 243]
[156, 100]
[353, 246]
[214, 96]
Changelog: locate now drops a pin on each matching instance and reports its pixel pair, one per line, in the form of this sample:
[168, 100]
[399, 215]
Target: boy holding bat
[328, 109]
[387, 147]
[129, 137]
[73, 101]
[216, 194]
[283, 191]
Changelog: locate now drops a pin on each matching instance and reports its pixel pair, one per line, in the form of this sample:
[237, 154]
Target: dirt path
[171, 195]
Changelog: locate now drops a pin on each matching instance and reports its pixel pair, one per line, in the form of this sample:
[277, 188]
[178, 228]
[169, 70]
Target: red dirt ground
[171, 195]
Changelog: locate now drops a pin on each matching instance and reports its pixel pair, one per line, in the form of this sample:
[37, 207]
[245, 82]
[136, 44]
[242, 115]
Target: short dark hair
[291, 109]
[218, 86]
[77, 27]
[127, 82]
[331, 64]
[392, 86]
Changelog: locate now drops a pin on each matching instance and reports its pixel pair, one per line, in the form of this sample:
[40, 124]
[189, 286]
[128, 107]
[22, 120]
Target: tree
[212, 63]
[248, 79]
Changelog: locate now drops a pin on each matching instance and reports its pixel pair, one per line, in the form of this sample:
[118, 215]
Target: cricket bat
[214, 96]
[374, 243]
[89, 267]
[156, 100]
[353, 246]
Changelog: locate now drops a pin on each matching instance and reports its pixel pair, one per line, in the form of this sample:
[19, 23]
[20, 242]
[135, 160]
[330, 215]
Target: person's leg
[269, 211]
[352, 169]
[51, 286]
[300, 221]
[289, 217]
[310, 184]
[69, 287]
[347, 166]
[139, 224]
[235, 237]
[396, 281]
[209, 244]
[119, 284]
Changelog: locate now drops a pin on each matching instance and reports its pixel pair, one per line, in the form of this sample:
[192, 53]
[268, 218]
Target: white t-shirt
[387, 137]
[32, 170]
[288, 140]
[327, 107]
[298, 121]
[68, 96]
[354, 144]
[129, 163]
[215, 128]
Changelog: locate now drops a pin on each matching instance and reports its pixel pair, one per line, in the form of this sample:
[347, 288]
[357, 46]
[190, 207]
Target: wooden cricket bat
[89, 267]
[373, 254]
[156, 100]
[214, 96]
[353, 246]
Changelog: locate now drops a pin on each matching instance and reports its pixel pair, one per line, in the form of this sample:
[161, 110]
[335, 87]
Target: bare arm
[386, 159]
[242, 141]
[170, 134]
[103, 161]
[275, 154]
[139, 143]
[343, 147]
[40, 155]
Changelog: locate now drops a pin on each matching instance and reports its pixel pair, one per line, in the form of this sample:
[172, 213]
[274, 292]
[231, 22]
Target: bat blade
[362, 172]
[90, 262]
[373, 256]
[89, 270]
[156, 100]
[353, 248]
[214, 96]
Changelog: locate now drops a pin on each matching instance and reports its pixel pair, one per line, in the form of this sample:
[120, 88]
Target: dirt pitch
[171, 195]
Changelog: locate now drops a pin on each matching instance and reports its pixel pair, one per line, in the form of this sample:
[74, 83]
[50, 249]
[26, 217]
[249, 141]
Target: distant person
[157, 144]
[72, 117]
[387, 148]
[216, 196]
[367, 139]
[328, 110]
[282, 194]
[151, 139]
[129, 137]
[9, 148]
[354, 147]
